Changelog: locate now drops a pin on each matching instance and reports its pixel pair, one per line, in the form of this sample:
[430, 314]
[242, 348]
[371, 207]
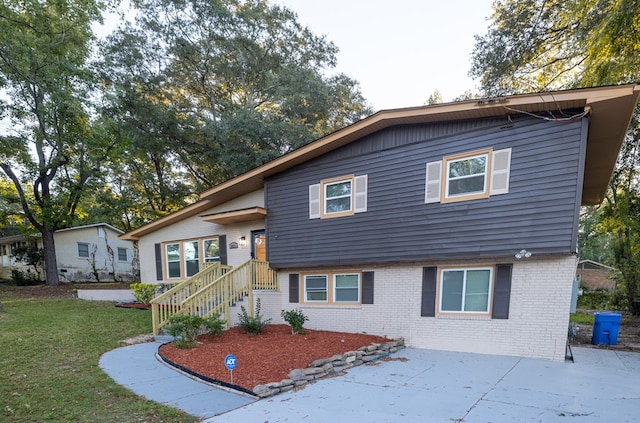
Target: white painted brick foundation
[537, 324]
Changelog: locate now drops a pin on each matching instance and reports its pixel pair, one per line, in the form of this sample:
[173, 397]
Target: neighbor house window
[191, 257]
[466, 176]
[173, 260]
[211, 250]
[465, 290]
[316, 288]
[122, 254]
[332, 288]
[83, 250]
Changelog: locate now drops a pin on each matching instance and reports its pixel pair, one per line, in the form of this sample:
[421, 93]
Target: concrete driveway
[414, 385]
[435, 386]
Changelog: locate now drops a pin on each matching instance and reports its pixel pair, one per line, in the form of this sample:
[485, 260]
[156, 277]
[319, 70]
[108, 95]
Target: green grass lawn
[49, 352]
[581, 318]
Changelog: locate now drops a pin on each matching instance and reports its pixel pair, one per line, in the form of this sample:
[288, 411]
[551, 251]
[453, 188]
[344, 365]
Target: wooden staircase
[213, 290]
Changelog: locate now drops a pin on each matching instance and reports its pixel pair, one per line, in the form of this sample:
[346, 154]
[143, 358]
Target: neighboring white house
[84, 253]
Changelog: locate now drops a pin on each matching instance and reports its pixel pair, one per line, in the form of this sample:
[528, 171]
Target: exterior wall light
[242, 242]
[523, 254]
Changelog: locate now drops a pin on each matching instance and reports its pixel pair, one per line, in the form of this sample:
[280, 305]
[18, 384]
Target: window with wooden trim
[191, 254]
[211, 249]
[338, 197]
[172, 254]
[465, 176]
[468, 176]
[332, 288]
[465, 290]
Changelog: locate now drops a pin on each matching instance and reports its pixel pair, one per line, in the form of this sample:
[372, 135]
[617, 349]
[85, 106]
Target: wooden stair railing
[170, 302]
[233, 286]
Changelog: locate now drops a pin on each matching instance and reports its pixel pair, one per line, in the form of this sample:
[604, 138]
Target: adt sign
[230, 361]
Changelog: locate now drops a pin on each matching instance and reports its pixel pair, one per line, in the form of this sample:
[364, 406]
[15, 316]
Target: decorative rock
[297, 374]
[327, 367]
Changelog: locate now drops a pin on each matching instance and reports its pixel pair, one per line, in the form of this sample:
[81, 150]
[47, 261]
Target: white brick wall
[537, 324]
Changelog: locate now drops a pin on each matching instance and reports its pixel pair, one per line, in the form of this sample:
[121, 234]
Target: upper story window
[468, 176]
[83, 250]
[337, 197]
[465, 290]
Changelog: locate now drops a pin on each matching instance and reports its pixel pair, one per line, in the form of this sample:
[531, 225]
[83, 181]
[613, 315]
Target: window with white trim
[173, 260]
[83, 250]
[465, 290]
[123, 254]
[332, 288]
[337, 197]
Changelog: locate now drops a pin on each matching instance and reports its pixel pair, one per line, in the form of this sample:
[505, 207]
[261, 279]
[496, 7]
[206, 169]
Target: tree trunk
[50, 262]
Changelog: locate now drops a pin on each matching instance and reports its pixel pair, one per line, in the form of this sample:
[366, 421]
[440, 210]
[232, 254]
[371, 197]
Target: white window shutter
[314, 201]
[360, 198]
[432, 188]
[500, 171]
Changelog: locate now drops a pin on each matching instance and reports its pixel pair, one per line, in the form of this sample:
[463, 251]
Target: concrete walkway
[414, 386]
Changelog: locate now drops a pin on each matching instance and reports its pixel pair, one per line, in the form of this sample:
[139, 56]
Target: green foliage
[253, 325]
[50, 351]
[143, 292]
[583, 318]
[187, 328]
[24, 278]
[598, 299]
[295, 318]
[538, 45]
[32, 256]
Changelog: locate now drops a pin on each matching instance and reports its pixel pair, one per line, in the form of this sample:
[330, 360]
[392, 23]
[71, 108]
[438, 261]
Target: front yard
[50, 344]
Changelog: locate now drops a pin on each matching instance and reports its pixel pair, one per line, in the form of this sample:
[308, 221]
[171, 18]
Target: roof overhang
[611, 109]
[236, 216]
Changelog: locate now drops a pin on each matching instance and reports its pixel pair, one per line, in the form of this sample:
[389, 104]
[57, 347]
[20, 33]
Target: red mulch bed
[264, 358]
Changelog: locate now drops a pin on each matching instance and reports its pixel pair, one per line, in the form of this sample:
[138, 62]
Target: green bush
[24, 278]
[187, 328]
[143, 292]
[252, 325]
[296, 319]
[599, 299]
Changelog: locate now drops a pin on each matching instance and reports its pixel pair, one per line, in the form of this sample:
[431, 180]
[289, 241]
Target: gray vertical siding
[538, 213]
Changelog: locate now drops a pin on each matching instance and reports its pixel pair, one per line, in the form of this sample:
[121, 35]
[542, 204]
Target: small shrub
[187, 328]
[143, 292]
[214, 324]
[252, 325]
[296, 319]
[24, 278]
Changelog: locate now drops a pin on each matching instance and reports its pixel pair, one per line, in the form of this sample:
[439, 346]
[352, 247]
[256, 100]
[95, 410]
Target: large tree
[55, 146]
[538, 45]
[217, 87]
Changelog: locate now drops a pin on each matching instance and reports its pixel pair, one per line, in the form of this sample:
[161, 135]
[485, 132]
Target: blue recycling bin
[605, 328]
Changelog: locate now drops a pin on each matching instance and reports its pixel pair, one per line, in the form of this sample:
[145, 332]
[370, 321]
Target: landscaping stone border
[327, 367]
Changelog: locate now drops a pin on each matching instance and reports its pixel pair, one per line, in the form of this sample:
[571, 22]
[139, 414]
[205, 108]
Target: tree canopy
[539, 45]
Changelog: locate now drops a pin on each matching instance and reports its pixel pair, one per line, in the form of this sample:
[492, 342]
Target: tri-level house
[454, 226]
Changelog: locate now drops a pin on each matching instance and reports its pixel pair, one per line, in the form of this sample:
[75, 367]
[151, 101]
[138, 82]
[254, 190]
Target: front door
[259, 245]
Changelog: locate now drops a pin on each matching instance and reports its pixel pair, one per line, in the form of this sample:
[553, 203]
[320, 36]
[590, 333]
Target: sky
[400, 51]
